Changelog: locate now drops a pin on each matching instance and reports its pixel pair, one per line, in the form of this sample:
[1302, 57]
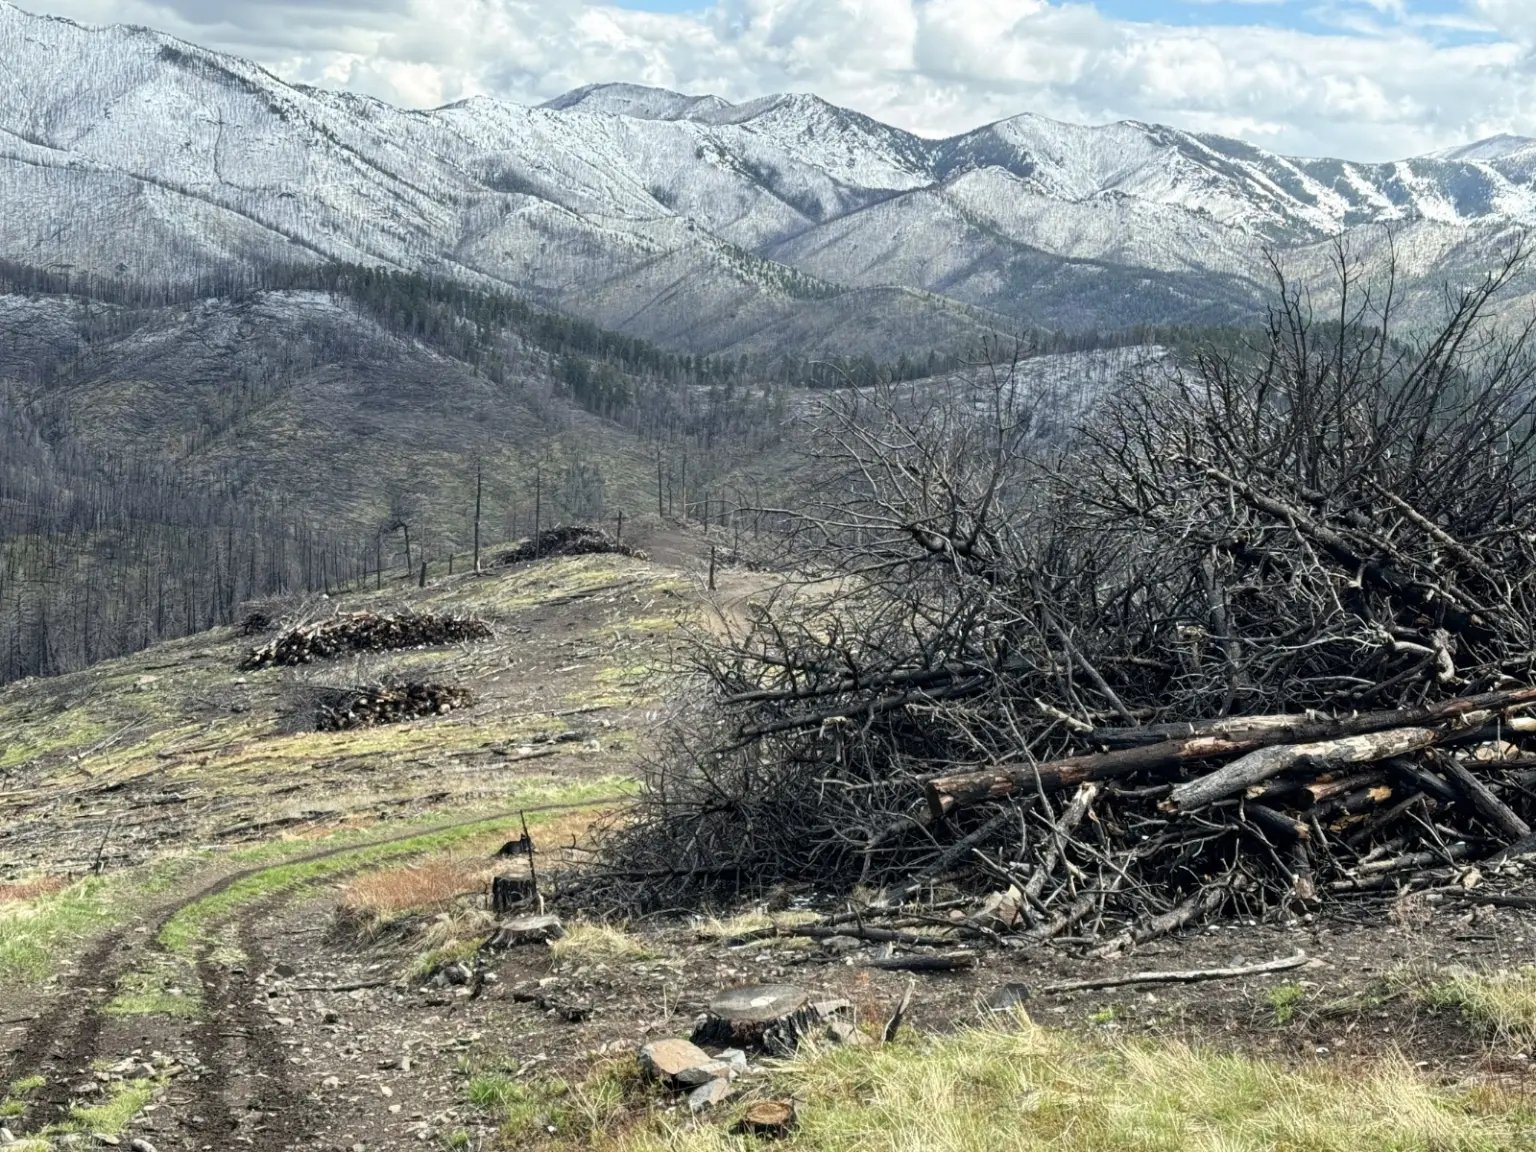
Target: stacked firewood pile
[368, 706]
[1258, 635]
[574, 540]
[363, 632]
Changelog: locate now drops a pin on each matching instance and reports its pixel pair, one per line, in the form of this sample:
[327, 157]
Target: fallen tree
[1258, 632]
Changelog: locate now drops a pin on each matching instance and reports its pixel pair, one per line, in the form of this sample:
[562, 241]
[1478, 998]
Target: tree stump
[527, 930]
[773, 1017]
[511, 892]
[768, 1118]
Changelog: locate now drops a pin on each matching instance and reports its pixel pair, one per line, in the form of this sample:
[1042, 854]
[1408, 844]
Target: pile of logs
[1170, 823]
[575, 540]
[1157, 827]
[343, 709]
[363, 632]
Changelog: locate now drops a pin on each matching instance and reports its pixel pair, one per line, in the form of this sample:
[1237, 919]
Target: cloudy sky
[1367, 79]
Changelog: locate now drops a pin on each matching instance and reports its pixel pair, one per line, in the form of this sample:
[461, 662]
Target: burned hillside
[1258, 637]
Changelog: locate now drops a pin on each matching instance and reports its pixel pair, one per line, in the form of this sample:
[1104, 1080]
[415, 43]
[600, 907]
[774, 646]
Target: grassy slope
[172, 753]
[85, 750]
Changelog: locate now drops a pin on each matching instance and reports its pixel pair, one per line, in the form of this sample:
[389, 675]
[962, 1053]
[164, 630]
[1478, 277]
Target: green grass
[14, 1103]
[1283, 1000]
[558, 1113]
[149, 993]
[35, 933]
[457, 952]
[123, 1102]
[1104, 1016]
[1502, 1002]
[191, 924]
[1021, 1088]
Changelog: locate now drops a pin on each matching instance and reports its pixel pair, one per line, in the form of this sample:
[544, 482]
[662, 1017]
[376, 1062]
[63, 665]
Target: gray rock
[139, 1144]
[458, 974]
[7, 1136]
[708, 1095]
[845, 1032]
[1007, 996]
[703, 1074]
[841, 945]
[666, 1060]
[735, 1057]
[285, 971]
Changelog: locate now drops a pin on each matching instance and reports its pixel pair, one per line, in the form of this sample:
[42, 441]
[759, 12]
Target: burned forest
[1252, 636]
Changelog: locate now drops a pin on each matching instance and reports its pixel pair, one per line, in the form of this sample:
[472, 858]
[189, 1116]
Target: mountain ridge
[706, 226]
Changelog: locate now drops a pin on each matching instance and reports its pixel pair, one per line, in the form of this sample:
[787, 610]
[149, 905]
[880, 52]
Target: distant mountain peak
[701, 224]
[636, 100]
[1499, 147]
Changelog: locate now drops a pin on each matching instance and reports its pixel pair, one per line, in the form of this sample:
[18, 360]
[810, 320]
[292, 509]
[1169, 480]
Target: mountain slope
[705, 225]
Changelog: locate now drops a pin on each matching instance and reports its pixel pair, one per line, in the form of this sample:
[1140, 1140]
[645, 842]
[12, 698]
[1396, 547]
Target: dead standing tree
[1228, 645]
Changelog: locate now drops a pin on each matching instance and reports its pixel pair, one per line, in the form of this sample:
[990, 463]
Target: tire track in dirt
[94, 973]
[64, 1039]
[256, 1067]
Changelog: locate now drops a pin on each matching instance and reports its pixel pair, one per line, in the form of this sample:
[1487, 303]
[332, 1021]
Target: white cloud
[1384, 80]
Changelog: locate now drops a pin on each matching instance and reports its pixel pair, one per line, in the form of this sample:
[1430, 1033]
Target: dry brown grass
[16, 890]
[425, 886]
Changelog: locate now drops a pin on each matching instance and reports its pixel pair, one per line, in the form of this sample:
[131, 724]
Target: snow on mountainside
[706, 225]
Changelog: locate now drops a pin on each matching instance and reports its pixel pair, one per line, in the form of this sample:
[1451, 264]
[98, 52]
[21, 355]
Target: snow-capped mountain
[706, 225]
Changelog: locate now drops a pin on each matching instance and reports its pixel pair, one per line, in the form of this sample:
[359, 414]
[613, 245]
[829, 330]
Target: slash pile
[1259, 632]
[343, 709]
[575, 540]
[363, 632]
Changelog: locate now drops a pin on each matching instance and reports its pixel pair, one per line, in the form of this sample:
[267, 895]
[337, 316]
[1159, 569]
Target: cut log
[1180, 744]
[1354, 804]
[1304, 727]
[1277, 826]
[1332, 787]
[770, 1118]
[525, 930]
[1266, 763]
[1419, 778]
[946, 793]
[1482, 798]
[363, 632]
[946, 962]
[1189, 976]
